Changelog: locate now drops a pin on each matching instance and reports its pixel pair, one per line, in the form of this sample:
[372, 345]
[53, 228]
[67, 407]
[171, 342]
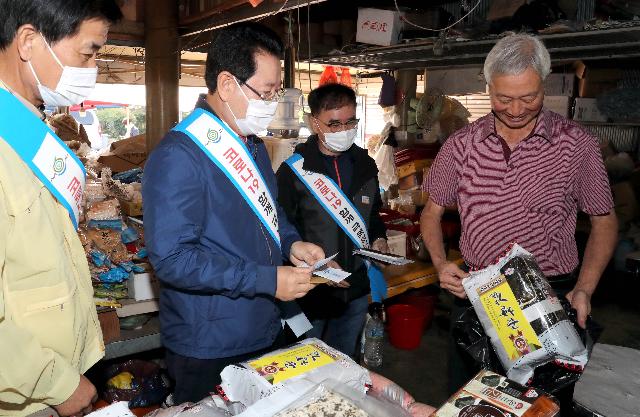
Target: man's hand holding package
[450, 276]
[293, 282]
[305, 252]
[80, 402]
[581, 301]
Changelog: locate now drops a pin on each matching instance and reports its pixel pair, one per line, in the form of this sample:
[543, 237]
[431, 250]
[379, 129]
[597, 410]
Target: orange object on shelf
[328, 76]
[345, 77]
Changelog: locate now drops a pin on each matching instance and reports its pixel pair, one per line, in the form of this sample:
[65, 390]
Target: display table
[399, 279]
[135, 341]
[415, 275]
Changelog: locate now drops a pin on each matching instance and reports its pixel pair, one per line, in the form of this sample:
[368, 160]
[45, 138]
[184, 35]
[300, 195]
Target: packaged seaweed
[492, 395]
[523, 317]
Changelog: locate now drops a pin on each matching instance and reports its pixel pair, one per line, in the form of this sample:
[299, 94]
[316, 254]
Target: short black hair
[329, 97]
[234, 50]
[55, 19]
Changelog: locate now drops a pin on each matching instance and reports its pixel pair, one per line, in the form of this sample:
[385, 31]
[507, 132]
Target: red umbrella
[91, 104]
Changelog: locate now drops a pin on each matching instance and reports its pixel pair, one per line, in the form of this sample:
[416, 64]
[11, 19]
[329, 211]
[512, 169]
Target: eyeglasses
[336, 126]
[271, 96]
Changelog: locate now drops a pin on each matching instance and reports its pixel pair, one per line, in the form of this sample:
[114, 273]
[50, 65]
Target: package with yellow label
[522, 316]
[291, 371]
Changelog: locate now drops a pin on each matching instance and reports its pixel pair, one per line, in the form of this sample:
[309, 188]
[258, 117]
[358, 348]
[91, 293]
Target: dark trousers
[196, 378]
[461, 367]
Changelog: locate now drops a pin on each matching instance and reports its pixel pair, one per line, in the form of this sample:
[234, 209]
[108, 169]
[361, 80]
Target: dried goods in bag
[295, 369]
[523, 317]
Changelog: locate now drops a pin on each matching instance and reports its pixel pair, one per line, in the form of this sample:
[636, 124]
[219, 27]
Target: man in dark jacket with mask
[328, 189]
[215, 234]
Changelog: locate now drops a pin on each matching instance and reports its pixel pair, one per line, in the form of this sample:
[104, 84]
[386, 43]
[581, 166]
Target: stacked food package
[490, 394]
[113, 242]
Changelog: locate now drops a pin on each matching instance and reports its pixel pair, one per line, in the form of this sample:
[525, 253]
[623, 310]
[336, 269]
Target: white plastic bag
[291, 371]
[522, 315]
[387, 174]
[204, 408]
[326, 399]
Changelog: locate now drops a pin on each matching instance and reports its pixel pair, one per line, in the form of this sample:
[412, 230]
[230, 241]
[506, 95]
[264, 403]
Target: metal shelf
[588, 45]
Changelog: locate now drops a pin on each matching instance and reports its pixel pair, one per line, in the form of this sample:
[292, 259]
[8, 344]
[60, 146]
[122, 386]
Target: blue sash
[225, 149]
[344, 213]
[55, 165]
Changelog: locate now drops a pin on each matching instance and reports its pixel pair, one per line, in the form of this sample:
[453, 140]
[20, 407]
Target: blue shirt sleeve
[174, 212]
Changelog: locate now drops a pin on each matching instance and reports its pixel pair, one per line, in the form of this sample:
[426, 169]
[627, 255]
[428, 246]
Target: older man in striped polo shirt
[520, 174]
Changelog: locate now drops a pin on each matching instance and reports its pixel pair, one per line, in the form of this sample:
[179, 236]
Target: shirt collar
[24, 101]
[541, 129]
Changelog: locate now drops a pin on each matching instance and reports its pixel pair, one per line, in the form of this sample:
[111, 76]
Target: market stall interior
[416, 68]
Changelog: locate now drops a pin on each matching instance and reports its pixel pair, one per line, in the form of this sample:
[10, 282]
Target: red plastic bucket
[406, 324]
[424, 299]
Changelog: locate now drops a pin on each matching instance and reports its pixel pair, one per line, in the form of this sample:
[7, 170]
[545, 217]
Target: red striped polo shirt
[530, 195]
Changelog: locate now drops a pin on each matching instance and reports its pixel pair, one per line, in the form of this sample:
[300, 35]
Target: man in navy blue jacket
[219, 260]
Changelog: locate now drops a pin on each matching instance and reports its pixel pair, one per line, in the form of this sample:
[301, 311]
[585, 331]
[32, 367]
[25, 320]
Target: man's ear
[26, 35]
[313, 124]
[226, 85]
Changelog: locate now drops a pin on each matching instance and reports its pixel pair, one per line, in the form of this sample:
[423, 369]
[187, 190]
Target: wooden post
[162, 68]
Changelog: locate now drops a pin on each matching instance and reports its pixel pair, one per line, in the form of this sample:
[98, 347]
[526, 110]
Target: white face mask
[74, 86]
[259, 115]
[340, 141]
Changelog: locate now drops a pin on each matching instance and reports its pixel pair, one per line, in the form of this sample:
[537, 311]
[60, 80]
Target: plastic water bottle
[374, 336]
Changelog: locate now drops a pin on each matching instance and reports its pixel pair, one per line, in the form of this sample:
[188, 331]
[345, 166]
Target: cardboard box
[143, 286]
[586, 110]
[109, 324]
[596, 80]
[412, 167]
[126, 154]
[558, 104]
[560, 84]
[131, 208]
[378, 27]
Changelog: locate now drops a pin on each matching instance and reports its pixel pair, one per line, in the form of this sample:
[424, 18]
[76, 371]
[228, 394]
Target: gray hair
[514, 54]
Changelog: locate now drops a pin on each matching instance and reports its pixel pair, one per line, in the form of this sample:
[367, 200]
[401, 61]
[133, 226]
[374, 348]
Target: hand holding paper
[321, 269]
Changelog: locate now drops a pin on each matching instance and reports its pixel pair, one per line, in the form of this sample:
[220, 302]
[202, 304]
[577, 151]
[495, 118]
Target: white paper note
[323, 262]
[332, 274]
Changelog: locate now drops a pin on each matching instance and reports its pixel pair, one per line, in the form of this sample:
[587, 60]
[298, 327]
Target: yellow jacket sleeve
[29, 373]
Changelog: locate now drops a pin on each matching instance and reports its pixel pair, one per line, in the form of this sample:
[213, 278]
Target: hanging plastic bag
[328, 76]
[523, 317]
[387, 95]
[387, 174]
[345, 77]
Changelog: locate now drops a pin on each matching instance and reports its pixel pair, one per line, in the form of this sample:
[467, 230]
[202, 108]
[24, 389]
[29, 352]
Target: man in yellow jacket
[49, 330]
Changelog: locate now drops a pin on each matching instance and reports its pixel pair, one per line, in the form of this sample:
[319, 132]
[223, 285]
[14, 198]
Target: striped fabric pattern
[530, 195]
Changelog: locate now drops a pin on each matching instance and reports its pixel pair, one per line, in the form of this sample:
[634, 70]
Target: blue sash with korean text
[344, 213]
[55, 165]
[227, 151]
